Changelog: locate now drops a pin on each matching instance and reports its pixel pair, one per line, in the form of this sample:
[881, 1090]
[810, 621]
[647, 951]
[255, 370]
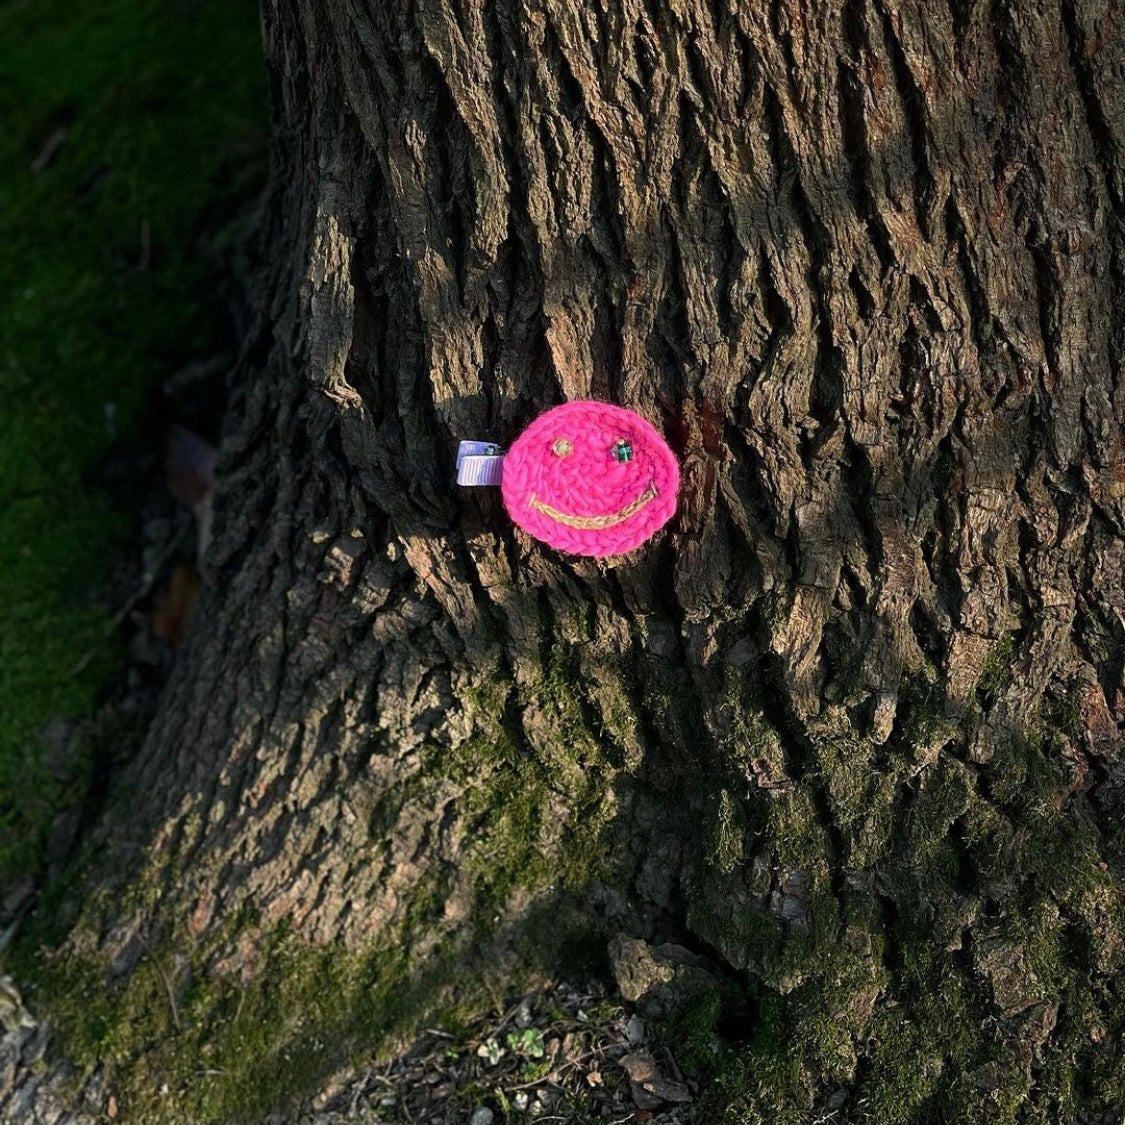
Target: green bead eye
[622, 451]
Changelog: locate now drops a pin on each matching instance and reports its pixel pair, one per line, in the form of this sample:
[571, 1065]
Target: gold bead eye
[562, 447]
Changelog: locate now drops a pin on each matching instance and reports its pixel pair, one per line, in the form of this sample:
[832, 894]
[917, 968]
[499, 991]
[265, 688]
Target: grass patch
[111, 275]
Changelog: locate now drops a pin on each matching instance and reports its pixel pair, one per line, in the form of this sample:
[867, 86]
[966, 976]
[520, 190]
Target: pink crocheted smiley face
[590, 478]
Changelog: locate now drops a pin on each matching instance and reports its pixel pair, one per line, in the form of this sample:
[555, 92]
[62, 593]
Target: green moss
[796, 1042]
[860, 790]
[695, 1041]
[615, 717]
[164, 112]
[1058, 712]
[184, 1041]
[245, 1022]
[944, 795]
[728, 828]
[923, 718]
[753, 750]
[752, 1083]
[996, 674]
[972, 897]
[235, 1045]
[518, 840]
[590, 720]
[844, 656]
[797, 833]
[903, 1011]
[775, 606]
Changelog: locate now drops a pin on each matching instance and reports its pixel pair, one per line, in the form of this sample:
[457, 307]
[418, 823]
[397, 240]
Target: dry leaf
[172, 612]
[594, 1078]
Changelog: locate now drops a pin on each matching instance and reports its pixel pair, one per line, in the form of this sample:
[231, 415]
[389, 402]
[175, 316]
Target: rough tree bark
[850, 729]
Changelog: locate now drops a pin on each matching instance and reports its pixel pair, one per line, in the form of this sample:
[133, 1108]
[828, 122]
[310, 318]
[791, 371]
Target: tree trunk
[848, 729]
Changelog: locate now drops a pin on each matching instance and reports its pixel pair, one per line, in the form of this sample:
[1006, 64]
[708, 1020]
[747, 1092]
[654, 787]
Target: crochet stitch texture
[590, 478]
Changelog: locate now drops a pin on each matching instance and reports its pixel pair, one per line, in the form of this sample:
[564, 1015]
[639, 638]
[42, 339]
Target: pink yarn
[590, 478]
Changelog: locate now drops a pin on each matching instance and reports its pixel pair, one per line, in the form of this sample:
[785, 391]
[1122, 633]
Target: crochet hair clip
[585, 477]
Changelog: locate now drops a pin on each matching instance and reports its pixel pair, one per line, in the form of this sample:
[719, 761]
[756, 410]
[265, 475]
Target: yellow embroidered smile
[594, 523]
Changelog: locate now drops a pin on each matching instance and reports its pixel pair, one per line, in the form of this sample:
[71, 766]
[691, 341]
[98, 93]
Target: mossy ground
[183, 1041]
[111, 275]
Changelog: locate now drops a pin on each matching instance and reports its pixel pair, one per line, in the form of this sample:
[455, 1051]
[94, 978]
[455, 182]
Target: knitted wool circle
[590, 478]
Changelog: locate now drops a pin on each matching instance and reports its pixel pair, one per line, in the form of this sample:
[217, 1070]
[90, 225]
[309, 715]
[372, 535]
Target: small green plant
[534, 1071]
[491, 1051]
[528, 1043]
